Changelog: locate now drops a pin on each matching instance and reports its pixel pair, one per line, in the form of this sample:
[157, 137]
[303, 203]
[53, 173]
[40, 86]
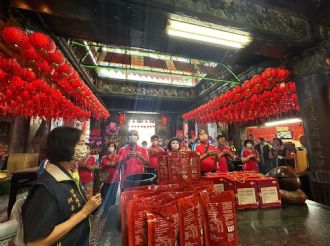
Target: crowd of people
[65, 195]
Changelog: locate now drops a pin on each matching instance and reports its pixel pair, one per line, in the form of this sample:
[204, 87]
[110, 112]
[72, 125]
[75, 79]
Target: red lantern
[42, 41]
[164, 120]
[31, 54]
[66, 69]
[56, 57]
[121, 118]
[27, 74]
[269, 73]
[14, 36]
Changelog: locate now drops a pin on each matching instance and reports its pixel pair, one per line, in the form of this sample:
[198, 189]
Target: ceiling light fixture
[215, 34]
[283, 122]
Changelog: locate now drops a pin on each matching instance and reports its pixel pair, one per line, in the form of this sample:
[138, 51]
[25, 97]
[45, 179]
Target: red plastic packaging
[137, 222]
[174, 166]
[190, 221]
[163, 225]
[162, 168]
[219, 217]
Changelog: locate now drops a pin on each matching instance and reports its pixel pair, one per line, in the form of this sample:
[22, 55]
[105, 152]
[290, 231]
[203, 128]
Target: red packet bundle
[124, 198]
[190, 221]
[268, 191]
[169, 187]
[219, 216]
[184, 162]
[162, 168]
[137, 222]
[163, 225]
[195, 165]
[174, 166]
[206, 185]
[246, 193]
[143, 188]
[218, 181]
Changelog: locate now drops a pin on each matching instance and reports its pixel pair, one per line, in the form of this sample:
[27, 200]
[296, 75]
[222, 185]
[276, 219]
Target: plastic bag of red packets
[174, 166]
[218, 181]
[268, 191]
[162, 168]
[195, 165]
[163, 225]
[190, 221]
[143, 188]
[198, 186]
[184, 162]
[137, 215]
[137, 222]
[219, 217]
[125, 197]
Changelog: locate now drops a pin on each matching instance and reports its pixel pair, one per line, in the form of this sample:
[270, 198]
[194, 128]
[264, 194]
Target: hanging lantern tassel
[164, 120]
[121, 118]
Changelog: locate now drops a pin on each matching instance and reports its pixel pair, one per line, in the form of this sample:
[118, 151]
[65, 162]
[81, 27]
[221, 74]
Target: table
[289, 225]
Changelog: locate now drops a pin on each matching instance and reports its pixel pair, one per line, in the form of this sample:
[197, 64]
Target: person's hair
[261, 139]
[279, 140]
[246, 141]
[153, 137]
[144, 142]
[108, 145]
[220, 136]
[169, 147]
[61, 143]
[129, 133]
[202, 131]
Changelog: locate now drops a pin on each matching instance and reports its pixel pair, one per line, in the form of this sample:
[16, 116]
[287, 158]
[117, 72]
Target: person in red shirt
[250, 157]
[153, 152]
[208, 153]
[224, 155]
[132, 158]
[86, 167]
[109, 166]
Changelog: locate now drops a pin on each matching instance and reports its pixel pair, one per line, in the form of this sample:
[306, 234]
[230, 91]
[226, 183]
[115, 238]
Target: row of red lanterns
[38, 52]
[37, 98]
[260, 97]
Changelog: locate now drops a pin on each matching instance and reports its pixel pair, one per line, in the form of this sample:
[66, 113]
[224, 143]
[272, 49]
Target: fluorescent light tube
[223, 36]
[283, 122]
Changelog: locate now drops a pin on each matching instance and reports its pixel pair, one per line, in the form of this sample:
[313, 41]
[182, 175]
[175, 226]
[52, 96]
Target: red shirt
[222, 163]
[133, 165]
[252, 164]
[111, 170]
[208, 164]
[86, 175]
[153, 155]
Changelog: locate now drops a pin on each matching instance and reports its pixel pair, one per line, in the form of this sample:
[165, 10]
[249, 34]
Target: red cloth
[208, 164]
[86, 175]
[112, 171]
[252, 164]
[153, 156]
[222, 163]
[133, 165]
